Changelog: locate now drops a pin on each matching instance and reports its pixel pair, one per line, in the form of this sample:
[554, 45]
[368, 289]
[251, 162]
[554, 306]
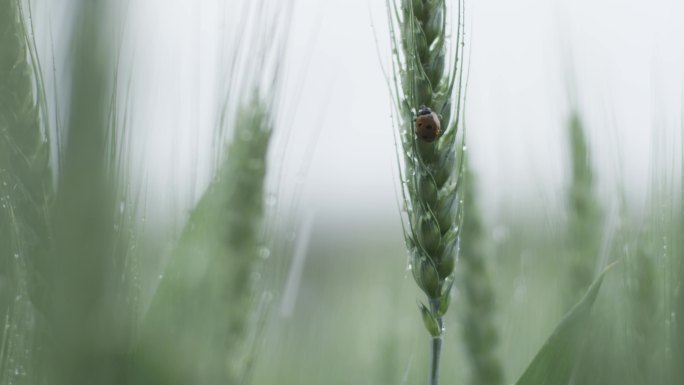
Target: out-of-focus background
[345, 309]
[530, 62]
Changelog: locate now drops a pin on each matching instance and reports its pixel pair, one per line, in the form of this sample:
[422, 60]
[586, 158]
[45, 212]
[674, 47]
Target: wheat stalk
[428, 71]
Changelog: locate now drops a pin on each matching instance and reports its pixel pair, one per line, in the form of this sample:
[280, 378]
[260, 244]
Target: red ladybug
[427, 124]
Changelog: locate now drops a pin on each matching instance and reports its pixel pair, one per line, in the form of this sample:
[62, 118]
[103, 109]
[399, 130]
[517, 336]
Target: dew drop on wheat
[255, 277]
[16, 255]
[264, 252]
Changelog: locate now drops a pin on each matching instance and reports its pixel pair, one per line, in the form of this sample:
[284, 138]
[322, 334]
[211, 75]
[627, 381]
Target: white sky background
[627, 55]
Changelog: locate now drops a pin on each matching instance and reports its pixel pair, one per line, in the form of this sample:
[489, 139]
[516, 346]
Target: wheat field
[242, 192]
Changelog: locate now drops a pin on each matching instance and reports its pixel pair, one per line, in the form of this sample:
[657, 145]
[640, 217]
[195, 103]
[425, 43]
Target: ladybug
[427, 124]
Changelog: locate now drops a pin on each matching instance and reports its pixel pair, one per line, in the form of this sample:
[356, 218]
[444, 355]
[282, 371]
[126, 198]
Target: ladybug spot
[429, 127]
[420, 124]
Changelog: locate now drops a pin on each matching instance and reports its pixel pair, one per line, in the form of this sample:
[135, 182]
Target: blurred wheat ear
[677, 370]
[61, 252]
[196, 328]
[88, 314]
[25, 195]
[479, 331]
[585, 222]
[428, 70]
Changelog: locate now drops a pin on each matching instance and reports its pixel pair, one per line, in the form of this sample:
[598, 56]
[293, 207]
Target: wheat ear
[479, 331]
[25, 192]
[204, 302]
[585, 214]
[428, 71]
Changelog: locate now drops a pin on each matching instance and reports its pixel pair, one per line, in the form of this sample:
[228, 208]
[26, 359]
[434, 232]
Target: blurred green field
[355, 319]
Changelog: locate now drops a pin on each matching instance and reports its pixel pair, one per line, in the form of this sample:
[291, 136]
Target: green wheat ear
[88, 315]
[196, 328]
[25, 193]
[585, 222]
[428, 70]
[479, 331]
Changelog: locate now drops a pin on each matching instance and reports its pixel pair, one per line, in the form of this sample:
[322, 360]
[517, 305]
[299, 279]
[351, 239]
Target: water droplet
[465, 148]
[161, 276]
[16, 255]
[264, 252]
[255, 276]
[122, 207]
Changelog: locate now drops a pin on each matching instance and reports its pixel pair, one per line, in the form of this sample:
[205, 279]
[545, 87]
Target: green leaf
[553, 364]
